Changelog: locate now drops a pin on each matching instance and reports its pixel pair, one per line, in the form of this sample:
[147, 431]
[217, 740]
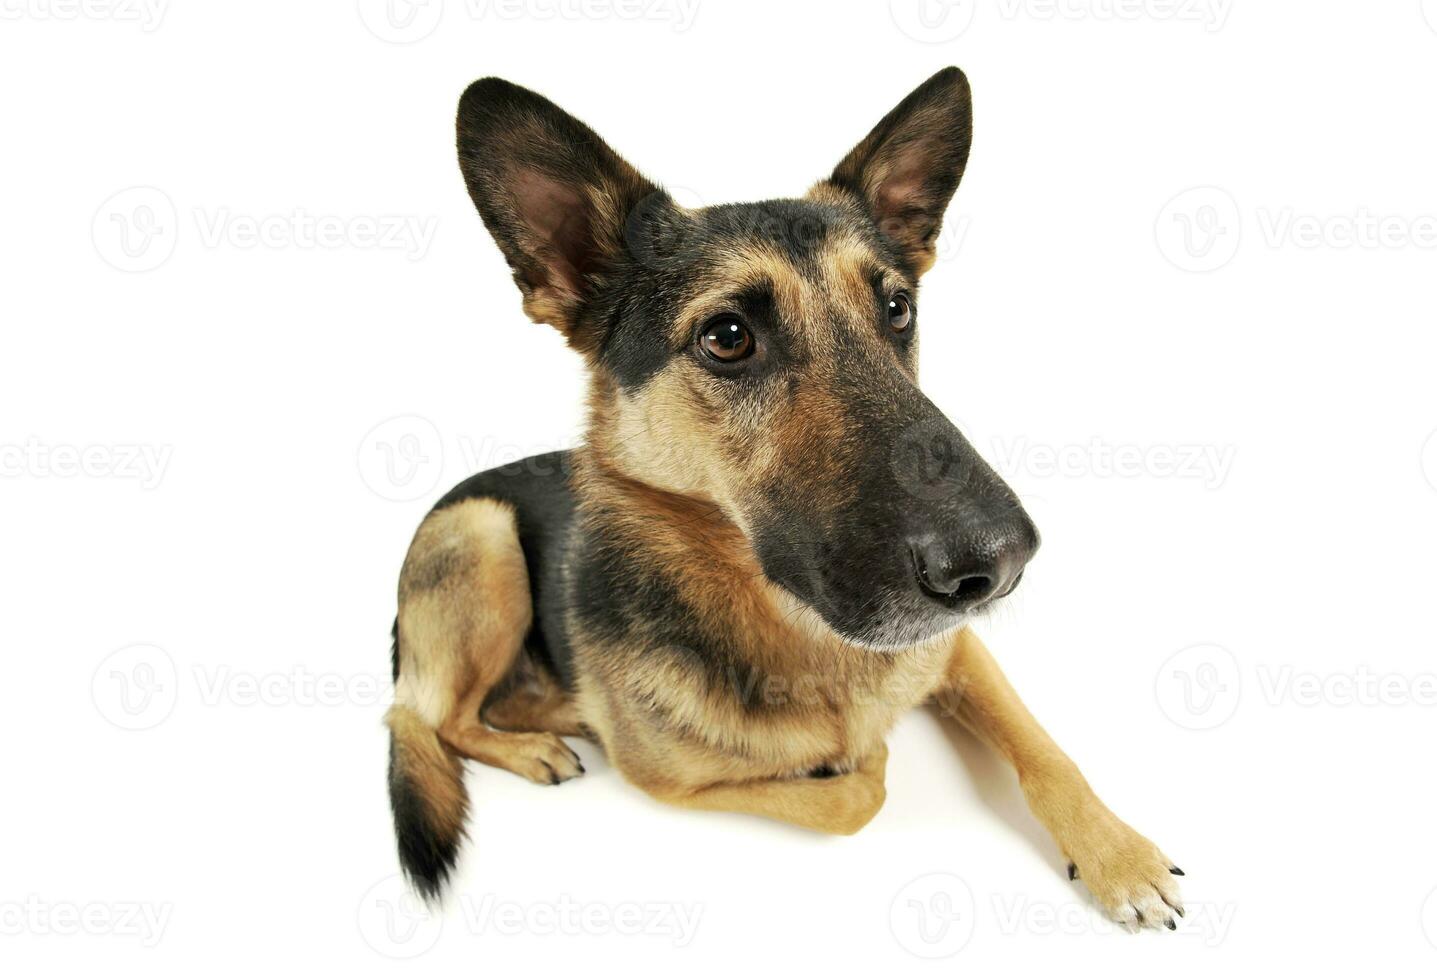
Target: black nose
[980, 562]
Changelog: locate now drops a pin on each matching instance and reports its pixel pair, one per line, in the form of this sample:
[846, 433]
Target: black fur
[922, 145]
[426, 854]
[607, 587]
[608, 258]
[538, 489]
[632, 279]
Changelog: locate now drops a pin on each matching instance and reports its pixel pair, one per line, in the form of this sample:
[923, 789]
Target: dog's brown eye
[725, 338]
[900, 312]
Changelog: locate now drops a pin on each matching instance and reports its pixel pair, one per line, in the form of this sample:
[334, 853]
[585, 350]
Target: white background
[1218, 406]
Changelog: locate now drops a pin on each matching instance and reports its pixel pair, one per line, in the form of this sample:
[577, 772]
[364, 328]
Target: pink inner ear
[900, 190]
[895, 197]
[556, 215]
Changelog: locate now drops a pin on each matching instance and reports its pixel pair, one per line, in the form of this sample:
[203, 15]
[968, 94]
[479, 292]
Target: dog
[770, 543]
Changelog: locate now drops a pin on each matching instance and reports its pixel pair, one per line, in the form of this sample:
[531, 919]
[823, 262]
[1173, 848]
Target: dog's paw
[1128, 875]
[541, 757]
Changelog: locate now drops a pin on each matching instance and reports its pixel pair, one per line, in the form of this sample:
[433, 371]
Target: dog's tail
[427, 795]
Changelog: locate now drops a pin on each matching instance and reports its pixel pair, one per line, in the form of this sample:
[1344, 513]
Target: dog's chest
[834, 708]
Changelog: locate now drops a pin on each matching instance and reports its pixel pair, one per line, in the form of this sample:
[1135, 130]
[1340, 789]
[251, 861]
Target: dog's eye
[900, 312]
[725, 338]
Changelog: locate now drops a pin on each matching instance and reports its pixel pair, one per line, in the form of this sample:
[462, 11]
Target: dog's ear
[553, 195]
[905, 171]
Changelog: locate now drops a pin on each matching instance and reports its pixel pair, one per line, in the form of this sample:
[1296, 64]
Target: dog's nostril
[968, 589]
[947, 582]
[961, 580]
[973, 588]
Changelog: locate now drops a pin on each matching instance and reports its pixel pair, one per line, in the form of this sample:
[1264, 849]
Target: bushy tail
[427, 795]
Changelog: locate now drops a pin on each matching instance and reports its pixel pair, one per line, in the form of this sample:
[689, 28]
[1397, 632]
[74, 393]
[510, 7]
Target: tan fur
[841, 804]
[668, 468]
[1124, 870]
[891, 174]
[666, 471]
[757, 263]
[555, 300]
[435, 771]
[464, 610]
[922, 254]
[539, 705]
[821, 701]
[682, 431]
[777, 715]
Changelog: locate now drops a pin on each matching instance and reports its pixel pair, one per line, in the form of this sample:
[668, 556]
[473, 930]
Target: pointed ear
[553, 195]
[906, 170]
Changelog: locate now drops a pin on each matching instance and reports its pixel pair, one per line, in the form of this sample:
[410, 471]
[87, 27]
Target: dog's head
[764, 356]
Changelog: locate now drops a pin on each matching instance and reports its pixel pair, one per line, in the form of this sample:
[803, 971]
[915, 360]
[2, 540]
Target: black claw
[1180, 911]
[1176, 871]
[1172, 925]
[1140, 915]
[1072, 871]
[582, 770]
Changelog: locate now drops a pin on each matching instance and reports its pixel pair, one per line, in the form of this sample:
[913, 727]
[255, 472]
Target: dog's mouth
[880, 593]
[888, 621]
[902, 634]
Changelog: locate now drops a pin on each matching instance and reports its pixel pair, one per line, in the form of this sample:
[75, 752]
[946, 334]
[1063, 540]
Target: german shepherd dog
[769, 544]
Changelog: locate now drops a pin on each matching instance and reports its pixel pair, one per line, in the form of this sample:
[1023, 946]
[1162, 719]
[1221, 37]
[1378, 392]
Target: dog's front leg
[1124, 870]
[832, 805]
